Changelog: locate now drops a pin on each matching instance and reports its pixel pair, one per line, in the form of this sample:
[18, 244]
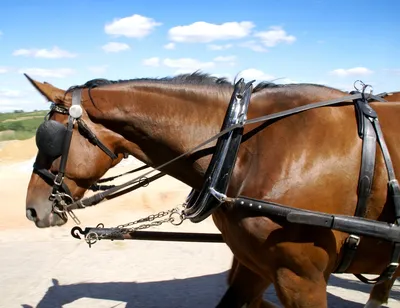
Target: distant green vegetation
[20, 125]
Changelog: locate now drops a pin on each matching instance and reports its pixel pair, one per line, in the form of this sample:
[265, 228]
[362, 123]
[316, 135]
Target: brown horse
[392, 96]
[310, 160]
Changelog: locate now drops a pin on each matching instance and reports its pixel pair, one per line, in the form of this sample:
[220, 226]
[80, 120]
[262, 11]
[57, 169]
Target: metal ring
[91, 238]
[57, 210]
[181, 218]
[145, 180]
[355, 85]
[64, 197]
[365, 86]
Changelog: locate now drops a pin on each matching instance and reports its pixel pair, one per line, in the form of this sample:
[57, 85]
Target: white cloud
[3, 70]
[355, 71]
[151, 62]
[204, 32]
[54, 53]
[252, 73]
[219, 47]
[185, 65]
[225, 58]
[253, 45]
[100, 69]
[136, 26]
[115, 47]
[230, 60]
[42, 72]
[169, 46]
[275, 36]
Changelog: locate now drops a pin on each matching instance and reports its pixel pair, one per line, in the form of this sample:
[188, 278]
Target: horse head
[73, 153]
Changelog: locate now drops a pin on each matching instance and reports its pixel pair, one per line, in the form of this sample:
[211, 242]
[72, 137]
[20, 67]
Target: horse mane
[196, 78]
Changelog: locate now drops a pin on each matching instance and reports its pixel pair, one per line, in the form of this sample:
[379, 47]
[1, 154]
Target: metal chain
[175, 217]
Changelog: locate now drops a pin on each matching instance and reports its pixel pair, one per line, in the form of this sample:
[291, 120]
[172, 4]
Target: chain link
[174, 216]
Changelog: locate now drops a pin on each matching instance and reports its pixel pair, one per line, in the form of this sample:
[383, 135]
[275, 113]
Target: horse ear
[55, 282]
[49, 91]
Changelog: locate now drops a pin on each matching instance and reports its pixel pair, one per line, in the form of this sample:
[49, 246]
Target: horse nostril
[31, 214]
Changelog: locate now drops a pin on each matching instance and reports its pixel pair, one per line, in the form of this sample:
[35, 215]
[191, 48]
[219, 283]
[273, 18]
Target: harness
[201, 204]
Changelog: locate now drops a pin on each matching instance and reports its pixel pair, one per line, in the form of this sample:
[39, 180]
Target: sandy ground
[47, 268]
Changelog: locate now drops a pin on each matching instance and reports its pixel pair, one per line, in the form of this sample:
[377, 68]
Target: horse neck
[161, 122]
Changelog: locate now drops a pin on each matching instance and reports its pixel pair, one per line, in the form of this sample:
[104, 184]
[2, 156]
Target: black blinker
[50, 138]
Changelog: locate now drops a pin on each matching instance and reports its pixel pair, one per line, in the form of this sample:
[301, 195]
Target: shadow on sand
[195, 292]
[359, 286]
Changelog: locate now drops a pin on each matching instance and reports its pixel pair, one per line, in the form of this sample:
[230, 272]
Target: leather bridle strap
[76, 101]
[93, 139]
[97, 186]
[49, 177]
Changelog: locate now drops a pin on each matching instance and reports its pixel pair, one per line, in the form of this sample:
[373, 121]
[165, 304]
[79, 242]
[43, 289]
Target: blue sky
[69, 42]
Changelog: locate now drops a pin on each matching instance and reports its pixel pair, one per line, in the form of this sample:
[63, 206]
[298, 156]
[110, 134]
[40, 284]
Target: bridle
[53, 139]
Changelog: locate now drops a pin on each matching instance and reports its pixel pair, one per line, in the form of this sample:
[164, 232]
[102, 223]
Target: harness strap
[368, 136]
[299, 109]
[111, 178]
[394, 192]
[76, 100]
[370, 131]
[219, 171]
[96, 186]
[50, 178]
[93, 139]
[114, 192]
[389, 271]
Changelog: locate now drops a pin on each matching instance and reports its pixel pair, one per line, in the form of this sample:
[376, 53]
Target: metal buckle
[352, 236]
[219, 196]
[391, 269]
[58, 183]
[394, 264]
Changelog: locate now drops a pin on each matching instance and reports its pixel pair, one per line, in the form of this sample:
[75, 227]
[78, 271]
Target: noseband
[53, 139]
